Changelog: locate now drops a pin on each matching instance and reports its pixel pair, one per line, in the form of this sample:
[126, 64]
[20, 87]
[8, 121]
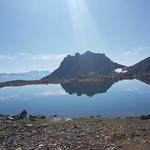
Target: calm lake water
[109, 99]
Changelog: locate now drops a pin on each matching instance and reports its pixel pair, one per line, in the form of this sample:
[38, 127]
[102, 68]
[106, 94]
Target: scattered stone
[67, 119]
[91, 116]
[117, 136]
[54, 116]
[74, 134]
[42, 117]
[145, 117]
[44, 125]
[22, 115]
[10, 118]
[19, 148]
[41, 145]
[33, 117]
[28, 125]
[98, 116]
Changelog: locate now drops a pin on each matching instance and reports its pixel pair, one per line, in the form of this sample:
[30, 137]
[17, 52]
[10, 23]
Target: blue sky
[37, 34]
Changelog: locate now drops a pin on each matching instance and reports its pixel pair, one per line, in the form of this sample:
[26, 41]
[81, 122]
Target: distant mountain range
[32, 75]
[87, 64]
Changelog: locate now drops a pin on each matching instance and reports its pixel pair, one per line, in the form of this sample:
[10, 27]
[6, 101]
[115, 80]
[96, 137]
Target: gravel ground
[75, 134]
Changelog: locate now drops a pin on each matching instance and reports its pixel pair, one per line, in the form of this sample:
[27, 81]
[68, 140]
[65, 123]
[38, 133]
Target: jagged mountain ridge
[143, 67]
[87, 64]
[92, 64]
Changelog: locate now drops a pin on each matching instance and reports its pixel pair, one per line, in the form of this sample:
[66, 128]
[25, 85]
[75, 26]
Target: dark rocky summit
[92, 64]
[87, 64]
[143, 67]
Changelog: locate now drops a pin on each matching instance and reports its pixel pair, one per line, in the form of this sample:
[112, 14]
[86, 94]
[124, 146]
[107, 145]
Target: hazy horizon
[36, 35]
[57, 65]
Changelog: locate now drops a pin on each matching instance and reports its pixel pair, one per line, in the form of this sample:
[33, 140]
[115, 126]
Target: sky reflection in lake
[123, 98]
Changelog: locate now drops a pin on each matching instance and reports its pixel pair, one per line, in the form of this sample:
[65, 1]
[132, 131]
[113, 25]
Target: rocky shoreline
[101, 78]
[27, 132]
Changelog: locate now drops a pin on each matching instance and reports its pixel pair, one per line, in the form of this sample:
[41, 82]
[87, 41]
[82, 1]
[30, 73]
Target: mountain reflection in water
[89, 89]
[123, 98]
[93, 88]
[144, 79]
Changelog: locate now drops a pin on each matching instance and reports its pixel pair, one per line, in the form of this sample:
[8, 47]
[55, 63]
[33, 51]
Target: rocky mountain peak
[86, 64]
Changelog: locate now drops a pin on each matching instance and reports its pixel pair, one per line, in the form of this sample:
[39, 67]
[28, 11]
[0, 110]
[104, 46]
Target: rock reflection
[144, 79]
[88, 89]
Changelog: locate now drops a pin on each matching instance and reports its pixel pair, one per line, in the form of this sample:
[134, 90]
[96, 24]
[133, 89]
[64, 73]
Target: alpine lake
[106, 98]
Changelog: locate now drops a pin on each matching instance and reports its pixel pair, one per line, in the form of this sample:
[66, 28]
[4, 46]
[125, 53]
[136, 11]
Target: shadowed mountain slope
[87, 64]
[143, 67]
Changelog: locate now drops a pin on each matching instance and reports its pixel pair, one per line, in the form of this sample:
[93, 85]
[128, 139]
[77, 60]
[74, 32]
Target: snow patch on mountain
[120, 70]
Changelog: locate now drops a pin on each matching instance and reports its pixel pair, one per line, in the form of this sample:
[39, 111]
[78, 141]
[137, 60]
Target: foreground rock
[24, 115]
[75, 134]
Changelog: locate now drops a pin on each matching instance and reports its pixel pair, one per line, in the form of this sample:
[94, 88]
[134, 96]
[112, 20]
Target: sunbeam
[84, 28]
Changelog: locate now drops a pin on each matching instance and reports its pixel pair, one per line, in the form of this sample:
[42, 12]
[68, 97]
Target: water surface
[109, 99]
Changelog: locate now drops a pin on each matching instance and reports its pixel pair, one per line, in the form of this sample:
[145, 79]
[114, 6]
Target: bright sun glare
[83, 25]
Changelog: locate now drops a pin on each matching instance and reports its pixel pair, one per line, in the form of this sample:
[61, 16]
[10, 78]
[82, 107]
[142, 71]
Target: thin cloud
[7, 57]
[8, 97]
[133, 56]
[137, 51]
[33, 56]
[52, 93]
[24, 62]
[48, 57]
